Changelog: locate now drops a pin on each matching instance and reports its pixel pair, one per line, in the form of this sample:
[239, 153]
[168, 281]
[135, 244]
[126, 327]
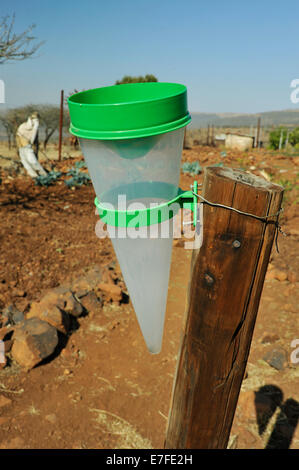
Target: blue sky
[233, 56]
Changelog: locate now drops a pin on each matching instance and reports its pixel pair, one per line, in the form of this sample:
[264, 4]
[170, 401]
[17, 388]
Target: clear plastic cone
[138, 170]
[145, 265]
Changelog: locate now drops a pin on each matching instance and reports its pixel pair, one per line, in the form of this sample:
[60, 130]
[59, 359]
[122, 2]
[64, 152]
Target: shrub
[78, 177]
[294, 137]
[48, 179]
[193, 168]
[275, 136]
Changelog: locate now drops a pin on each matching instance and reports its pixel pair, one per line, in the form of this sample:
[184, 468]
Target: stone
[22, 304]
[12, 315]
[55, 307]
[269, 338]
[50, 309]
[80, 287]
[20, 293]
[34, 340]
[276, 274]
[91, 303]
[71, 304]
[93, 276]
[281, 275]
[52, 298]
[277, 358]
[111, 291]
[4, 401]
[62, 289]
[51, 314]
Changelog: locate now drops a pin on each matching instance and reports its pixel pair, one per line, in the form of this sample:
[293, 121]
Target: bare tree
[49, 118]
[16, 46]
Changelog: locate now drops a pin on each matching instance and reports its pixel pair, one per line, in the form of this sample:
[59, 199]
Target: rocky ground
[93, 384]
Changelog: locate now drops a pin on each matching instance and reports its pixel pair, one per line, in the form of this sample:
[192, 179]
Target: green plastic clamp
[150, 215]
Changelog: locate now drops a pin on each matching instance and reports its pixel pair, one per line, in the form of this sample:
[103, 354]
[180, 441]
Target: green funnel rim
[128, 111]
[170, 89]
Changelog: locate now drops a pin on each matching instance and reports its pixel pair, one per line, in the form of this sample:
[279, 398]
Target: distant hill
[288, 118]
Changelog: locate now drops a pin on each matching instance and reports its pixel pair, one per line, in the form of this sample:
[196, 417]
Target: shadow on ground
[268, 400]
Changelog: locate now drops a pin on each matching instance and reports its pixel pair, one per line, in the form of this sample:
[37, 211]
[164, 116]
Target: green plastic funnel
[132, 137]
[128, 111]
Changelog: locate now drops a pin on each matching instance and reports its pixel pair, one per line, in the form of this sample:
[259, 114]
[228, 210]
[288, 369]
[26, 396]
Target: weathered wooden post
[227, 276]
[60, 125]
[208, 135]
[258, 132]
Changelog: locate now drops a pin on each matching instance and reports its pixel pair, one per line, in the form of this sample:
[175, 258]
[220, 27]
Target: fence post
[60, 125]
[208, 135]
[227, 276]
[258, 131]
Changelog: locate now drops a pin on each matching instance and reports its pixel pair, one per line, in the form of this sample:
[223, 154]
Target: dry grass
[128, 437]
[33, 411]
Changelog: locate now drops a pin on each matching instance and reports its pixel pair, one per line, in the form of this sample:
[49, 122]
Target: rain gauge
[132, 137]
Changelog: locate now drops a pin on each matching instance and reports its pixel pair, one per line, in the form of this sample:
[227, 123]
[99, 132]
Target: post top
[243, 177]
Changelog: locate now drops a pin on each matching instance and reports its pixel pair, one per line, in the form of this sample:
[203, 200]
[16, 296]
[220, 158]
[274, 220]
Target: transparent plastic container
[115, 166]
[145, 265]
[144, 170]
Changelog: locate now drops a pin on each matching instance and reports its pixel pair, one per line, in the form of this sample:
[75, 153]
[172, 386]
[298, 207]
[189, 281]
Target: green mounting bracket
[150, 215]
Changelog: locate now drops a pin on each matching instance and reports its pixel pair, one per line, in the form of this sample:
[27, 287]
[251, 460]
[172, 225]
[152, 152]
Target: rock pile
[33, 336]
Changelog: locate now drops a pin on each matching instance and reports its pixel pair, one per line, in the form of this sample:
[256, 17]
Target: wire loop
[263, 219]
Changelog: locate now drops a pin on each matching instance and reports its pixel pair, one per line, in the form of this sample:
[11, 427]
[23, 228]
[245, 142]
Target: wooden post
[258, 130]
[208, 135]
[60, 125]
[185, 139]
[212, 136]
[227, 275]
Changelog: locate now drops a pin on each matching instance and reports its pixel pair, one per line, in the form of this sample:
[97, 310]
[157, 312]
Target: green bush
[78, 177]
[294, 137]
[48, 179]
[192, 168]
[274, 137]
